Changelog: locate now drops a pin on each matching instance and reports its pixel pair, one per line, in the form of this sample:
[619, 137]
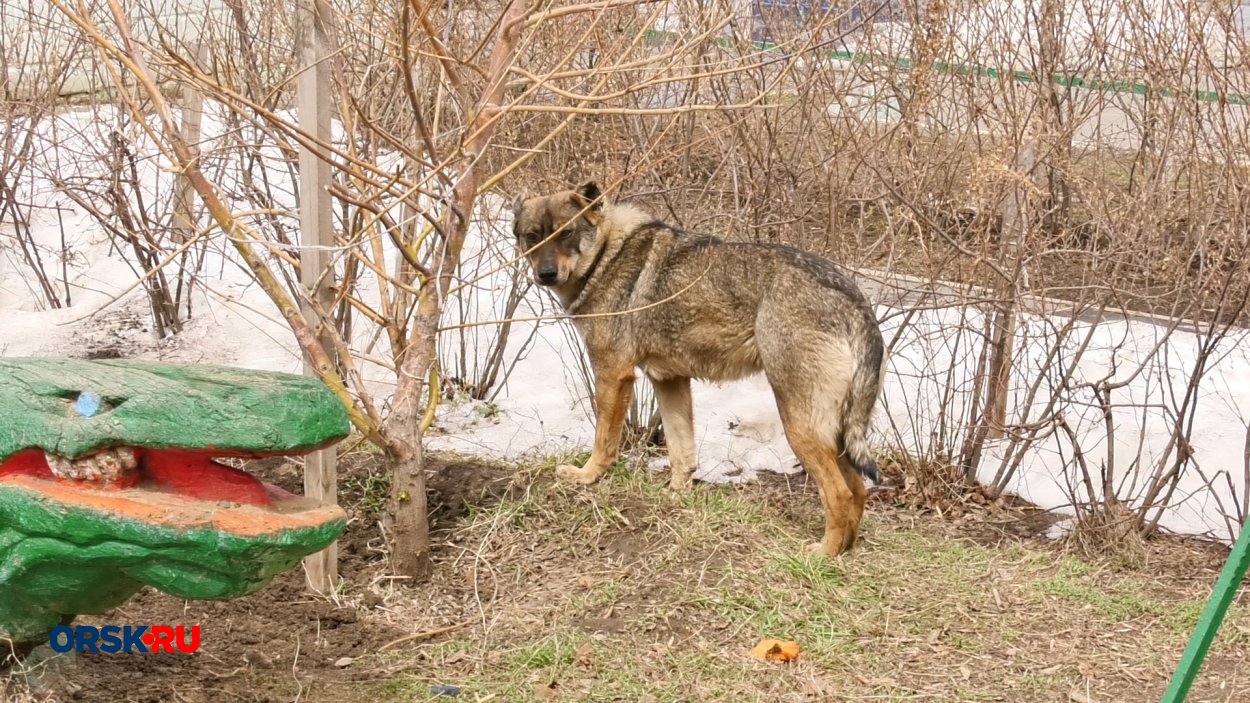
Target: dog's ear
[588, 193]
[517, 205]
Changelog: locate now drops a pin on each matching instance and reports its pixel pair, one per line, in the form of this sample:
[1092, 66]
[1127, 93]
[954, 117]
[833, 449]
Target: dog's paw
[675, 495]
[822, 549]
[681, 487]
[841, 545]
[574, 474]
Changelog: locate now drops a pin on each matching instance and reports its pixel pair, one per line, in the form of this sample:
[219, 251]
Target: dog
[680, 306]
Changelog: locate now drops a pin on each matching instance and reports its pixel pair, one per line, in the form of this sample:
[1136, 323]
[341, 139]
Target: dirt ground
[621, 592]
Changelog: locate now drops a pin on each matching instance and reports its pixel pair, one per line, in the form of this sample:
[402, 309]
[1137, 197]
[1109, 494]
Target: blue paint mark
[88, 404]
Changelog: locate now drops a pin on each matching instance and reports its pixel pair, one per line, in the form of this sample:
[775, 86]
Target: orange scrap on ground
[776, 651]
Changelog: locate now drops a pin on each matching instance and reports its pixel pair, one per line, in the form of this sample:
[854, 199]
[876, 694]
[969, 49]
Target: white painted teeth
[108, 466]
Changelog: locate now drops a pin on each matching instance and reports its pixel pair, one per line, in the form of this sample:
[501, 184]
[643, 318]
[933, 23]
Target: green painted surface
[59, 557]
[163, 406]
[1209, 624]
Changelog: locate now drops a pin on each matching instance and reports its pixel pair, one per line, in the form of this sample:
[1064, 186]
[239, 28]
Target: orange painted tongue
[188, 474]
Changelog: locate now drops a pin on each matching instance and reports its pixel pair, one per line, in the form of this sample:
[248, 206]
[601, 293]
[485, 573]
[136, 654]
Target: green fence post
[1212, 616]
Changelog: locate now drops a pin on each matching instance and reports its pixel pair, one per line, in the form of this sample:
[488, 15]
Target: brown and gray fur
[702, 308]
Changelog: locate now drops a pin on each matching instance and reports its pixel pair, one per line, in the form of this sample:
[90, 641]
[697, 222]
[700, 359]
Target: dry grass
[622, 592]
[1110, 532]
[13, 690]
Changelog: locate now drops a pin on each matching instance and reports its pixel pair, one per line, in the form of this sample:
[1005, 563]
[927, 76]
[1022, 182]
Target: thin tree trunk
[410, 552]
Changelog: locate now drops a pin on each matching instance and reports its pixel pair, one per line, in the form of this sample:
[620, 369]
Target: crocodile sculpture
[111, 478]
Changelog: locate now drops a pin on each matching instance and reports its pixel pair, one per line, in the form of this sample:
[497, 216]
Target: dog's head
[553, 231]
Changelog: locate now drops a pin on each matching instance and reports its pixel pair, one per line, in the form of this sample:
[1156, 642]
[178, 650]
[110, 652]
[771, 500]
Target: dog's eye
[566, 234]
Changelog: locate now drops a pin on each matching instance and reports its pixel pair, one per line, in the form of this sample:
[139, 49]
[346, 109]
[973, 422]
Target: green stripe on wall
[1209, 96]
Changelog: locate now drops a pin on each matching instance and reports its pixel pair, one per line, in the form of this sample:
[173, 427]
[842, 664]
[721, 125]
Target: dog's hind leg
[677, 412]
[842, 492]
[614, 390]
[855, 481]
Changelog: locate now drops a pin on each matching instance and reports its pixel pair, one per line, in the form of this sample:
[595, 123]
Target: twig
[425, 635]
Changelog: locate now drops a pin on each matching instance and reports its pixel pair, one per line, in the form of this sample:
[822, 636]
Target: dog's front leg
[676, 410]
[614, 390]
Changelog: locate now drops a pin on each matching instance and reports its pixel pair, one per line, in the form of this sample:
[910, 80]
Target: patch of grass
[372, 492]
[395, 689]
[540, 655]
[1124, 600]
[488, 410]
[1036, 682]
[1115, 602]
[1120, 602]
[813, 570]
[624, 592]
[710, 514]
[549, 463]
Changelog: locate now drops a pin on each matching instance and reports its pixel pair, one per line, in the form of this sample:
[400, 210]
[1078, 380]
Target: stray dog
[678, 306]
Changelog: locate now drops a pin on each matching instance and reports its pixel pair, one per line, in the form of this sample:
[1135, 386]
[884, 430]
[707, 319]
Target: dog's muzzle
[547, 277]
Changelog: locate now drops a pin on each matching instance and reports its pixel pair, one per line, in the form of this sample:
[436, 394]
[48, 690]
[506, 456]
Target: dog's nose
[548, 277]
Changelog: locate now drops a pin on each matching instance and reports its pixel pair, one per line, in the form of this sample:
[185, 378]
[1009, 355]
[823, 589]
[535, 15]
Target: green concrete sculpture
[109, 480]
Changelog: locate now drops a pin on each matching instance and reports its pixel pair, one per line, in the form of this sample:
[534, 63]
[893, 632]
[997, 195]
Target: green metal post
[1212, 616]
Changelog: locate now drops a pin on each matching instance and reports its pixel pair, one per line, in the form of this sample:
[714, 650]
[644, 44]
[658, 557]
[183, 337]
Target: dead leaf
[585, 655]
[1050, 670]
[776, 651]
[547, 692]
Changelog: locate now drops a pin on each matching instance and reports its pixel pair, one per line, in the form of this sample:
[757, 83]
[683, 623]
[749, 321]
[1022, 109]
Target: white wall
[39, 45]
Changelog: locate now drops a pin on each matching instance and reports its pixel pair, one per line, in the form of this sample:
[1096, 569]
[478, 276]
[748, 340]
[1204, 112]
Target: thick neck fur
[616, 223]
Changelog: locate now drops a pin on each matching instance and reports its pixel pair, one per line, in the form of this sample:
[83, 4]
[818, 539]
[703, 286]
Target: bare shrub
[1111, 531]
[1047, 200]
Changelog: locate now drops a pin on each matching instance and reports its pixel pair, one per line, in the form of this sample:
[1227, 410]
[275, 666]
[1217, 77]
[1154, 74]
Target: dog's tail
[858, 407]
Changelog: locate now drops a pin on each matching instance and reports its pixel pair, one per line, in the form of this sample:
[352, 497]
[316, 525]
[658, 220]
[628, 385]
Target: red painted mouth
[189, 474]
